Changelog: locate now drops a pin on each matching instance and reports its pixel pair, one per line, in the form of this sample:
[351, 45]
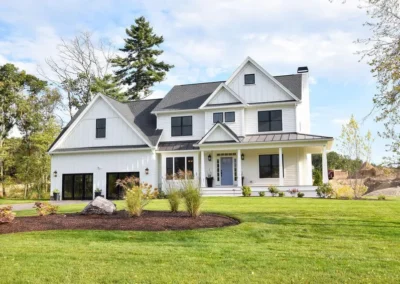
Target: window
[181, 126]
[100, 128]
[178, 165]
[230, 116]
[218, 117]
[249, 79]
[270, 120]
[269, 166]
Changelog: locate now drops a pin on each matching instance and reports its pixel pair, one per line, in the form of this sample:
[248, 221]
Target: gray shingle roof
[192, 96]
[177, 146]
[292, 83]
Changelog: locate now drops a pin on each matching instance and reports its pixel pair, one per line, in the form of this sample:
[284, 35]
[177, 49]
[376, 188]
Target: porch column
[239, 168]
[202, 170]
[280, 167]
[324, 166]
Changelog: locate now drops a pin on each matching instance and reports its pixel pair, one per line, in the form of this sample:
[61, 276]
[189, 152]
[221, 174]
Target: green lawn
[280, 240]
[16, 201]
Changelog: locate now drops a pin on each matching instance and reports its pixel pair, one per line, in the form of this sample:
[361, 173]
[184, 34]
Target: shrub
[161, 194]
[343, 192]
[381, 197]
[137, 196]
[261, 193]
[246, 191]
[281, 194]
[56, 191]
[300, 195]
[359, 190]
[174, 199]
[45, 208]
[325, 190]
[6, 214]
[317, 178]
[293, 192]
[273, 190]
[192, 197]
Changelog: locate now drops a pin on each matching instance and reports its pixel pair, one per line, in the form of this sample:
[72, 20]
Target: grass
[280, 240]
[17, 201]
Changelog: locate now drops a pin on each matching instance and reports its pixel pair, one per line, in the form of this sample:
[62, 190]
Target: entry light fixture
[209, 157]
[146, 171]
[55, 174]
[242, 157]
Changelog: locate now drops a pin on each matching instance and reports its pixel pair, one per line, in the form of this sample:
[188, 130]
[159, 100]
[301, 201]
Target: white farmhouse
[252, 129]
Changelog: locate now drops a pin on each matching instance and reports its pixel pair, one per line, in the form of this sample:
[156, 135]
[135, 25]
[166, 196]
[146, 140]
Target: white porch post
[280, 167]
[202, 170]
[324, 166]
[239, 168]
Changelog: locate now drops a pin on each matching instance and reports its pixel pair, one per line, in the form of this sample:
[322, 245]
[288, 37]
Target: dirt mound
[377, 184]
[149, 221]
[393, 191]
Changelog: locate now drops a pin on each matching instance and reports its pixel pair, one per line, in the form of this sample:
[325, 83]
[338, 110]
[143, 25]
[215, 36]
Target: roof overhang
[214, 128]
[101, 149]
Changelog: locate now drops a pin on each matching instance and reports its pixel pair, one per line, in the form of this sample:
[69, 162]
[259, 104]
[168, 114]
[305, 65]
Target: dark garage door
[77, 187]
[114, 191]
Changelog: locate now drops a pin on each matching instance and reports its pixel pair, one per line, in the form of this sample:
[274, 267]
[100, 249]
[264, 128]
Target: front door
[226, 171]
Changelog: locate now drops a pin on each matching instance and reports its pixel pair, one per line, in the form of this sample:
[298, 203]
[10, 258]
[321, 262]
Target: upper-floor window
[269, 166]
[230, 116]
[218, 117]
[270, 120]
[100, 128]
[249, 79]
[181, 126]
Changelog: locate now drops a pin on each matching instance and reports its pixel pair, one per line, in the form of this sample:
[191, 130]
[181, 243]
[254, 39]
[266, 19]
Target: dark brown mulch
[149, 221]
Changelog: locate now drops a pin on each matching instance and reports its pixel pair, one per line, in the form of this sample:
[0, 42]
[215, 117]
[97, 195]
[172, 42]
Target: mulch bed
[149, 221]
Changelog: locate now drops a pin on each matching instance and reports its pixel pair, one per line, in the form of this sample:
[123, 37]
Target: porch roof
[276, 137]
[177, 146]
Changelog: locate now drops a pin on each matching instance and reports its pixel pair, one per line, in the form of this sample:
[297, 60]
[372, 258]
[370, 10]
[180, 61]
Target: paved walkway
[27, 206]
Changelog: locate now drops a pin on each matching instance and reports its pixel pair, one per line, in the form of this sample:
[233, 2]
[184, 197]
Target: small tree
[355, 147]
[317, 177]
[139, 69]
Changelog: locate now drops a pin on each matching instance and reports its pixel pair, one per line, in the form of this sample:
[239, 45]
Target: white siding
[118, 132]
[102, 163]
[288, 118]
[223, 97]
[219, 135]
[264, 89]
[164, 122]
[236, 126]
[303, 109]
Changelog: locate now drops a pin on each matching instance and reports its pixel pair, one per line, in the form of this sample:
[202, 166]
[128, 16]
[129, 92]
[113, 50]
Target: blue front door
[226, 171]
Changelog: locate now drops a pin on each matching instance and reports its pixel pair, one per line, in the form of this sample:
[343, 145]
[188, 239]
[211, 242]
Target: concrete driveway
[27, 206]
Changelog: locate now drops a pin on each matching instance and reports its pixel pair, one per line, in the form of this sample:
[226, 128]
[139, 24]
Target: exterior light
[209, 157]
[242, 157]
[146, 171]
[55, 174]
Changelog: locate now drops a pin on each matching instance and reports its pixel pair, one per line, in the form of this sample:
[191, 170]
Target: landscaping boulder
[99, 206]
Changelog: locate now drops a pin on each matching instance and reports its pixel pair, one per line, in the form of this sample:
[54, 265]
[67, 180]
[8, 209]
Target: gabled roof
[225, 128]
[292, 82]
[137, 113]
[215, 92]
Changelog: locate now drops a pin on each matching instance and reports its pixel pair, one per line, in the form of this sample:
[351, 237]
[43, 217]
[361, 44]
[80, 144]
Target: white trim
[278, 103]
[100, 151]
[213, 129]
[249, 59]
[222, 85]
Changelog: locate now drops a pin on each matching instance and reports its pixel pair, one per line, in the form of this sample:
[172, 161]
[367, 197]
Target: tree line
[37, 107]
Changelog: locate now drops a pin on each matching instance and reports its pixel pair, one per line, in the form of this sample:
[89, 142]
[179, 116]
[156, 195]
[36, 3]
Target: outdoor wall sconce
[146, 171]
[55, 174]
[242, 157]
[209, 157]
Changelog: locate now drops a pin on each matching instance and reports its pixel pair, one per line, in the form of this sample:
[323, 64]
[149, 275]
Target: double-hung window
[181, 126]
[100, 128]
[218, 117]
[270, 120]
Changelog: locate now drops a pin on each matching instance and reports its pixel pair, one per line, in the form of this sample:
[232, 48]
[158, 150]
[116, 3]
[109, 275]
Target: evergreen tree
[139, 69]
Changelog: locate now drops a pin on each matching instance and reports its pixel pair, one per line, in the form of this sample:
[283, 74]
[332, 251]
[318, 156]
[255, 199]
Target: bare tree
[79, 66]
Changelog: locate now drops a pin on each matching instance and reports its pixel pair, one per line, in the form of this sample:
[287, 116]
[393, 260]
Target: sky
[207, 40]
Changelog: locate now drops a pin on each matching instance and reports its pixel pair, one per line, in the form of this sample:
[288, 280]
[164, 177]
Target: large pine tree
[139, 69]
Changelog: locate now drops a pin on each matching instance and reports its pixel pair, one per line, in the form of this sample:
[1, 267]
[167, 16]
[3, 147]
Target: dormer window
[218, 117]
[249, 79]
[101, 128]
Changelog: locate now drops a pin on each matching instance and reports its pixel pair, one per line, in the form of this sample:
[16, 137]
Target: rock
[99, 206]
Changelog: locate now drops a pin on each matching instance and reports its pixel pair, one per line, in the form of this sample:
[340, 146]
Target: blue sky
[206, 40]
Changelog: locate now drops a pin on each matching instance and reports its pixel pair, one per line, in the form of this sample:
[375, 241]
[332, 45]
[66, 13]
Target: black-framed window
[249, 79]
[77, 186]
[176, 165]
[114, 191]
[100, 128]
[230, 116]
[270, 120]
[181, 126]
[269, 166]
[218, 117]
